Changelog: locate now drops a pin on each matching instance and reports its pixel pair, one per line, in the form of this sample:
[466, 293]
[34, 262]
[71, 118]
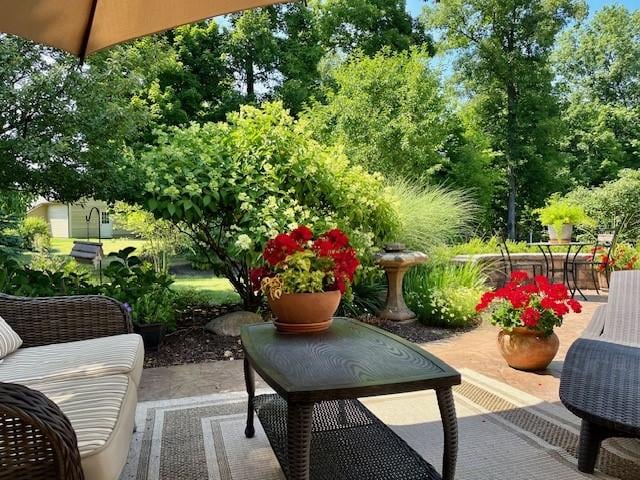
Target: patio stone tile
[475, 350]
[193, 380]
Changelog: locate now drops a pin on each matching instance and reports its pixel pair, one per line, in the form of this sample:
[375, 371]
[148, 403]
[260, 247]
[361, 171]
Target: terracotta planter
[563, 236]
[526, 349]
[304, 312]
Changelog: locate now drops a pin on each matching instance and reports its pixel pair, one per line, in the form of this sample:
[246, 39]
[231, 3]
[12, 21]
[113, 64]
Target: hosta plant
[537, 305]
[299, 262]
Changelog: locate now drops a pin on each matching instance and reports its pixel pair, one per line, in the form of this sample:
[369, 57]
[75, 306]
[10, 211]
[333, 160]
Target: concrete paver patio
[475, 350]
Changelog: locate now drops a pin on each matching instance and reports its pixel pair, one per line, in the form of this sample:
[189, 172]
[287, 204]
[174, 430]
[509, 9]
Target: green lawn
[214, 290]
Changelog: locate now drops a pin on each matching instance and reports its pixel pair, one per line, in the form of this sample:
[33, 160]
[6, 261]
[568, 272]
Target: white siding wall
[59, 221]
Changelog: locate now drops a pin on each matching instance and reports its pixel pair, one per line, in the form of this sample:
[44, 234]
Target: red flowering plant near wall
[625, 257]
[300, 262]
[536, 303]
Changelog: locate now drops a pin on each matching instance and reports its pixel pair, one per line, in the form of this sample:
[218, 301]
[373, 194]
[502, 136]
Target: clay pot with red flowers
[527, 310]
[304, 278]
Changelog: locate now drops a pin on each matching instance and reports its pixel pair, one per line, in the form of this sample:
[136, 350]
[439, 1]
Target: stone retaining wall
[496, 270]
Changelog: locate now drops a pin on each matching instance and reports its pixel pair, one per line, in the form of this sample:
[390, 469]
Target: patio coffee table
[339, 438]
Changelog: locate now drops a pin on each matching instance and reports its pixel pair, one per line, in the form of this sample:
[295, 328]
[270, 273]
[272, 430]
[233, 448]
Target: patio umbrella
[83, 27]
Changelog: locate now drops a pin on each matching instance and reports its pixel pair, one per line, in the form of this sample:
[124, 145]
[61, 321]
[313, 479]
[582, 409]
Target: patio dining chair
[606, 245]
[600, 381]
[508, 263]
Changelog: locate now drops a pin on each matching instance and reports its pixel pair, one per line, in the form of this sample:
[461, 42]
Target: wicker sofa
[600, 380]
[68, 396]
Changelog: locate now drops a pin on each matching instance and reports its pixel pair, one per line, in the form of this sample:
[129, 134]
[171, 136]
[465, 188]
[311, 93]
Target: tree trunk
[511, 204]
[251, 78]
[512, 158]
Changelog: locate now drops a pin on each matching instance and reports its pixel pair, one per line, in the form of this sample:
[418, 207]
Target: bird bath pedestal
[396, 260]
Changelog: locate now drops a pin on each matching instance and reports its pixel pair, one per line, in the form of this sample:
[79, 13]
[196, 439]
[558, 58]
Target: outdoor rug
[504, 434]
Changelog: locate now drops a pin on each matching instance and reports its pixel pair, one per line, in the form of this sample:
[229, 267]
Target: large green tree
[502, 52]
[598, 67]
[299, 54]
[252, 47]
[62, 127]
[367, 25]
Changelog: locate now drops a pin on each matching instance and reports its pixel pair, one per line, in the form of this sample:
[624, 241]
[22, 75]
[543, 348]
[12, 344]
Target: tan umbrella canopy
[83, 27]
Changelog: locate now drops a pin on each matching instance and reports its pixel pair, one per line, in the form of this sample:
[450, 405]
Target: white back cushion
[9, 340]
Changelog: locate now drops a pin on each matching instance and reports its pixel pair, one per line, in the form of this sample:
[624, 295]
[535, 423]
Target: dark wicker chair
[37, 441]
[600, 381]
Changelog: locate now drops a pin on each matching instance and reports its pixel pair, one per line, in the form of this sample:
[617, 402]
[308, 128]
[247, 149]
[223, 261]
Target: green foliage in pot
[559, 212]
[154, 307]
[138, 285]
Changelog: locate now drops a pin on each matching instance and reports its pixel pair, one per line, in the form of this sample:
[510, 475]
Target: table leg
[450, 426]
[250, 382]
[299, 425]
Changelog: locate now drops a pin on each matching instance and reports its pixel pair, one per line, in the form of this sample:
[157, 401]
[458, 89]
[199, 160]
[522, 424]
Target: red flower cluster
[625, 258]
[332, 248]
[530, 300]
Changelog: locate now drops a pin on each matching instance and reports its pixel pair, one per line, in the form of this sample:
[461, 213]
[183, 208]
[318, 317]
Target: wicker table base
[347, 442]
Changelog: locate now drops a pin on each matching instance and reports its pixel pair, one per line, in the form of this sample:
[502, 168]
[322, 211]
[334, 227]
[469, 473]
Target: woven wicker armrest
[596, 325]
[601, 383]
[47, 320]
[37, 441]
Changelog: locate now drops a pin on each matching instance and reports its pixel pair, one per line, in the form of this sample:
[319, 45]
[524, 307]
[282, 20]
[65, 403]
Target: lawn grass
[212, 290]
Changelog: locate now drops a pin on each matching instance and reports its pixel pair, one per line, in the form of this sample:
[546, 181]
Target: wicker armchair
[600, 380]
[36, 438]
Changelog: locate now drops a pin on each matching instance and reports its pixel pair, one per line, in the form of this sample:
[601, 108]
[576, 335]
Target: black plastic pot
[152, 335]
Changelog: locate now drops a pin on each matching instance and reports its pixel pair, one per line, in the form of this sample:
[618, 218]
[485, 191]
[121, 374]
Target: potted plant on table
[527, 312]
[305, 277]
[560, 216]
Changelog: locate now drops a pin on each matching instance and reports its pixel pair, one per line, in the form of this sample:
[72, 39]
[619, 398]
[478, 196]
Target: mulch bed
[191, 343]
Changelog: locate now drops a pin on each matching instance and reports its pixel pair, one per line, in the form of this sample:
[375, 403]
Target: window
[105, 218]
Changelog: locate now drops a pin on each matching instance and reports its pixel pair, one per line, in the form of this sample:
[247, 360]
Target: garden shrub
[430, 215]
[162, 238]
[232, 186]
[366, 295]
[445, 294]
[613, 202]
[136, 283]
[18, 279]
[35, 232]
[10, 240]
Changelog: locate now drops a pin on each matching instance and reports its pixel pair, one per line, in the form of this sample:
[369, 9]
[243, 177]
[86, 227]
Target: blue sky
[415, 6]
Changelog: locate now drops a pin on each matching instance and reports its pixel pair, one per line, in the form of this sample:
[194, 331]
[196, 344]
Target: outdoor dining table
[315, 424]
[573, 250]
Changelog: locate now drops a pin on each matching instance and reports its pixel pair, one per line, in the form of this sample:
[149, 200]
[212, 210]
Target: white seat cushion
[119, 354]
[102, 412]
[10, 341]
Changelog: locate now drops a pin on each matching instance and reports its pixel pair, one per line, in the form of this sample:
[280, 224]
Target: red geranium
[530, 317]
[329, 253]
[539, 304]
[279, 248]
[302, 234]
